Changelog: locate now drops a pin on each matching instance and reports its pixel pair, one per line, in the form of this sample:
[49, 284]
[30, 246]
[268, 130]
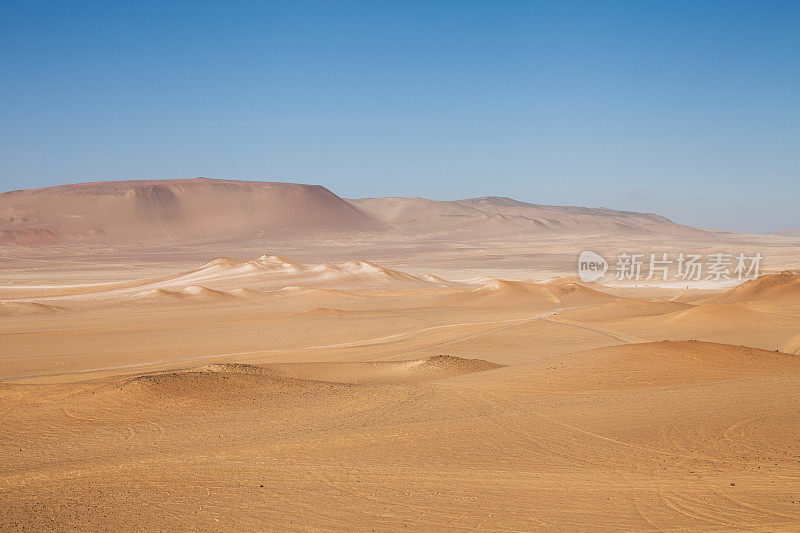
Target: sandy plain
[441, 385]
[269, 394]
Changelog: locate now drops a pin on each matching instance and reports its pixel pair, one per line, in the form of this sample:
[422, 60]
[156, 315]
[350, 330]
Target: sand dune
[511, 293]
[670, 313]
[776, 289]
[386, 372]
[203, 292]
[273, 272]
[224, 277]
[670, 363]
[729, 315]
[190, 292]
[767, 327]
[680, 435]
[625, 308]
[157, 294]
[418, 370]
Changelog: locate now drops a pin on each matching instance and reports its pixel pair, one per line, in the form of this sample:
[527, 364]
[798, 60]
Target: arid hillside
[202, 210]
[497, 216]
[177, 211]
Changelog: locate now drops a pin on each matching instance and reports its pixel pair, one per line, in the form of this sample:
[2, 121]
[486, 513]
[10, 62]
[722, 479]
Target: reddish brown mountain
[193, 210]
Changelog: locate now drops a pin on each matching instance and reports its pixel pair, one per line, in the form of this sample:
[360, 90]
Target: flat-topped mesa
[178, 211]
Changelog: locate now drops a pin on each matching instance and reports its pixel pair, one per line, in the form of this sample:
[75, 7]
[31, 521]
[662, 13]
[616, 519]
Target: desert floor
[165, 392]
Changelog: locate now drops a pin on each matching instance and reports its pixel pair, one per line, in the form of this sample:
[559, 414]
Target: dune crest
[553, 293]
[782, 288]
[665, 363]
[275, 272]
[203, 380]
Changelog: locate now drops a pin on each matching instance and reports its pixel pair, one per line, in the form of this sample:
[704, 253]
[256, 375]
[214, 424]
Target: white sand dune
[273, 272]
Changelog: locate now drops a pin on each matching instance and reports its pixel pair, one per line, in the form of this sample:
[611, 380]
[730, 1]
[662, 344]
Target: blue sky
[688, 109]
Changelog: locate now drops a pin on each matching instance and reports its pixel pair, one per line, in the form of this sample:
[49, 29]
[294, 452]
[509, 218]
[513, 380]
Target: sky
[687, 109]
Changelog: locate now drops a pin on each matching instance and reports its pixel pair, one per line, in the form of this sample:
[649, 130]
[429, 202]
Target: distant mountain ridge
[788, 232]
[156, 212]
[503, 201]
[495, 216]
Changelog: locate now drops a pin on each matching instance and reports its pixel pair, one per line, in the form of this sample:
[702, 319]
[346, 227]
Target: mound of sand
[237, 368]
[365, 272]
[279, 263]
[217, 382]
[666, 363]
[516, 290]
[222, 263]
[623, 309]
[274, 272]
[383, 372]
[198, 291]
[158, 294]
[574, 293]
[552, 294]
[779, 289]
[189, 293]
[229, 378]
[722, 314]
[435, 279]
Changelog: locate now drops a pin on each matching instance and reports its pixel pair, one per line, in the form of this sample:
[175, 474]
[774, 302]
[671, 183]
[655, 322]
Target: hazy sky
[688, 109]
